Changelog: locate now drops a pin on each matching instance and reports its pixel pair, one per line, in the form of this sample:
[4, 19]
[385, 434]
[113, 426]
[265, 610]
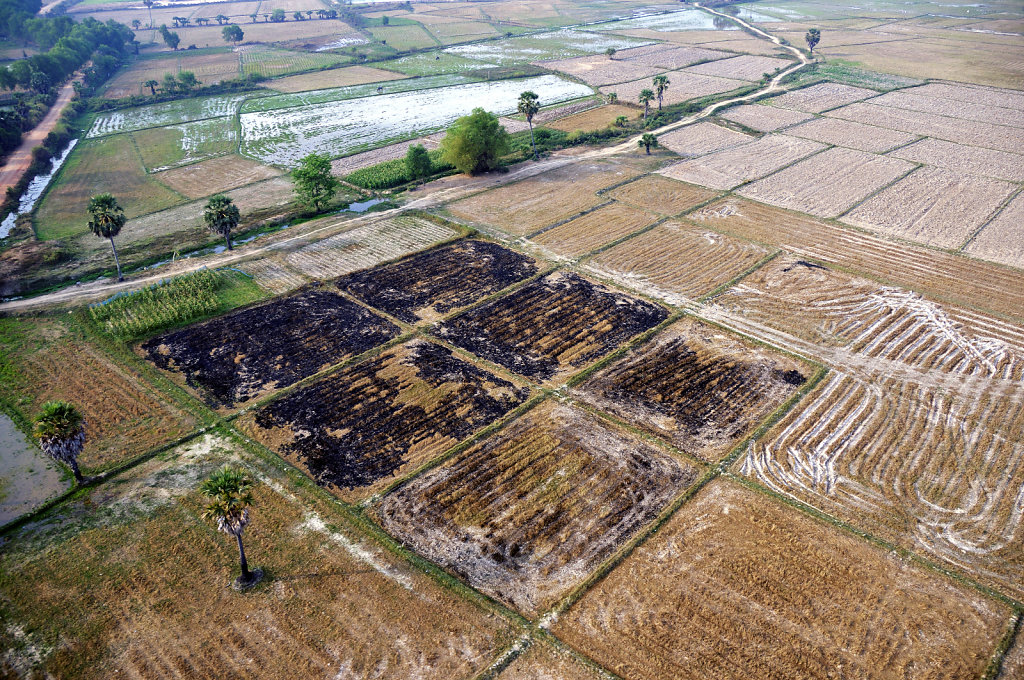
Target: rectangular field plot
[168, 113]
[595, 119]
[939, 470]
[978, 110]
[602, 70]
[336, 600]
[209, 68]
[729, 168]
[851, 135]
[822, 97]
[684, 86]
[744, 67]
[338, 77]
[965, 159]
[1002, 239]
[356, 430]
[660, 194]
[696, 387]
[972, 94]
[764, 118]
[591, 231]
[431, 284]
[243, 355]
[215, 176]
[551, 327]
[932, 206]
[527, 514]
[669, 57]
[524, 207]
[676, 262]
[738, 586]
[173, 145]
[702, 138]
[366, 246]
[829, 183]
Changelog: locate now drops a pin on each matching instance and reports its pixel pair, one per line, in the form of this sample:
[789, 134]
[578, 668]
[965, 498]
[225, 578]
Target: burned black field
[696, 386]
[552, 326]
[237, 357]
[438, 281]
[362, 425]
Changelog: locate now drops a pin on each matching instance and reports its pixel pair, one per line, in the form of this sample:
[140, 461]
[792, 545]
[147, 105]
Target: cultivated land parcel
[748, 406]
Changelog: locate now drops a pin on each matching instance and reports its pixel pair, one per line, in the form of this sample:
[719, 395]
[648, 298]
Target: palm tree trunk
[227, 239]
[116, 263]
[246, 576]
[532, 143]
[73, 464]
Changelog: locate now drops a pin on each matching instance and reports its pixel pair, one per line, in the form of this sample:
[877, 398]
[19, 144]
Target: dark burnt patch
[442, 279]
[561, 321]
[237, 357]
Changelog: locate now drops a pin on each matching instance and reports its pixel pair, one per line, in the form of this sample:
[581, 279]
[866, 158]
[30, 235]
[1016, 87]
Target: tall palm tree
[151, 84]
[149, 5]
[107, 220]
[221, 216]
[529, 104]
[230, 492]
[647, 140]
[60, 431]
[660, 85]
[646, 96]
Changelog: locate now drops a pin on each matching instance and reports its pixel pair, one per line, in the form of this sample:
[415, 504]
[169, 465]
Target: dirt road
[19, 161]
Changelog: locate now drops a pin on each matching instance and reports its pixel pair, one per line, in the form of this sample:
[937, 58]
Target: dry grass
[594, 119]
[669, 57]
[338, 77]
[602, 70]
[1002, 239]
[543, 662]
[215, 176]
[530, 512]
[829, 183]
[660, 194]
[737, 586]
[702, 138]
[971, 94]
[210, 69]
[729, 168]
[764, 118]
[932, 206]
[965, 159]
[822, 97]
[349, 164]
[676, 262]
[584, 234]
[852, 135]
[524, 207]
[683, 87]
[745, 67]
[979, 110]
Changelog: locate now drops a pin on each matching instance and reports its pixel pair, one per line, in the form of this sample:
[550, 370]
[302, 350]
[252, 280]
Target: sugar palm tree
[660, 85]
[107, 220]
[151, 84]
[60, 430]
[647, 140]
[149, 5]
[230, 492]
[529, 105]
[646, 96]
[221, 216]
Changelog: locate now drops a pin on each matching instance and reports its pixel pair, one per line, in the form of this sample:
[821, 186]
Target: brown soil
[584, 234]
[215, 176]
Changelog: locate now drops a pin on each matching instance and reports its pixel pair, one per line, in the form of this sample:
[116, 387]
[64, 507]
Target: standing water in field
[27, 476]
[34, 191]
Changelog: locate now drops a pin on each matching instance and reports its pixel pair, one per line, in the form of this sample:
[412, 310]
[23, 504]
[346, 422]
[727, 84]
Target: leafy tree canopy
[475, 143]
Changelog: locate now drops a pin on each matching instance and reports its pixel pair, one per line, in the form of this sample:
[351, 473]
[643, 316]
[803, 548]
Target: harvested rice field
[764, 118]
[1001, 239]
[602, 70]
[683, 87]
[745, 67]
[368, 424]
[932, 206]
[338, 77]
[591, 231]
[551, 327]
[436, 282]
[851, 135]
[829, 183]
[595, 119]
[660, 194]
[965, 159]
[822, 97]
[671, 57]
[543, 662]
[702, 138]
[215, 176]
[978, 110]
[731, 167]
[738, 586]
[248, 353]
[695, 386]
[174, 145]
[676, 262]
[528, 513]
[548, 198]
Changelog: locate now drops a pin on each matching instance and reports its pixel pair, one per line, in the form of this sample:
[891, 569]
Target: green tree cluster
[475, 143]
[315, 186]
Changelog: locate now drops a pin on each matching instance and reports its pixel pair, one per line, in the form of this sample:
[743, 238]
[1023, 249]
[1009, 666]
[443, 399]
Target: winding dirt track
[105, 288]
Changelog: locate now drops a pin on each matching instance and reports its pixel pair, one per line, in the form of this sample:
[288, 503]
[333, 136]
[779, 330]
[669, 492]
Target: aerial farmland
[512, 340]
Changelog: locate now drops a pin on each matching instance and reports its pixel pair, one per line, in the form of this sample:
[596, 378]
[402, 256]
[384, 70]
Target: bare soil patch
[551, 327]
[965, 159]
[744, 67]
[584, 234]
[702, 138]
[829, 183]
[357, 429]
[738, 586]
[729, 168]
[684, 86]
[822, 97]
[337, 77]
[243, 355]
[660, 194]
[527, 514]
[764, 118]
[436, 282]
[215, 176]
[933, 206]
[594, 119]
[676, 262]
[851, 135]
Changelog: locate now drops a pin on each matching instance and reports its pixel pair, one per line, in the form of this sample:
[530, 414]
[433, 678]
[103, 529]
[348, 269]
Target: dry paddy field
[210, 69]
[852, 135]
[528, 513]
[215, 176]
[349, 164]
[671, 57]
[587, 233]
[829, 183]
[601, 69]
[744, 67]
[551, 327]
[550, 197]
[594, 119]
[368, 424]
[272, 275]
[543, 662]
[684, 86]
[965, 159]
[932, 206]
[978, 110]
[702, 138]
[738, 586]
[1002, 240]
[676, 262]
[731, 167]
[764, 118]
[128, 580]
[660, 194]
[338, 77]
[695, 386]
[822, 97]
